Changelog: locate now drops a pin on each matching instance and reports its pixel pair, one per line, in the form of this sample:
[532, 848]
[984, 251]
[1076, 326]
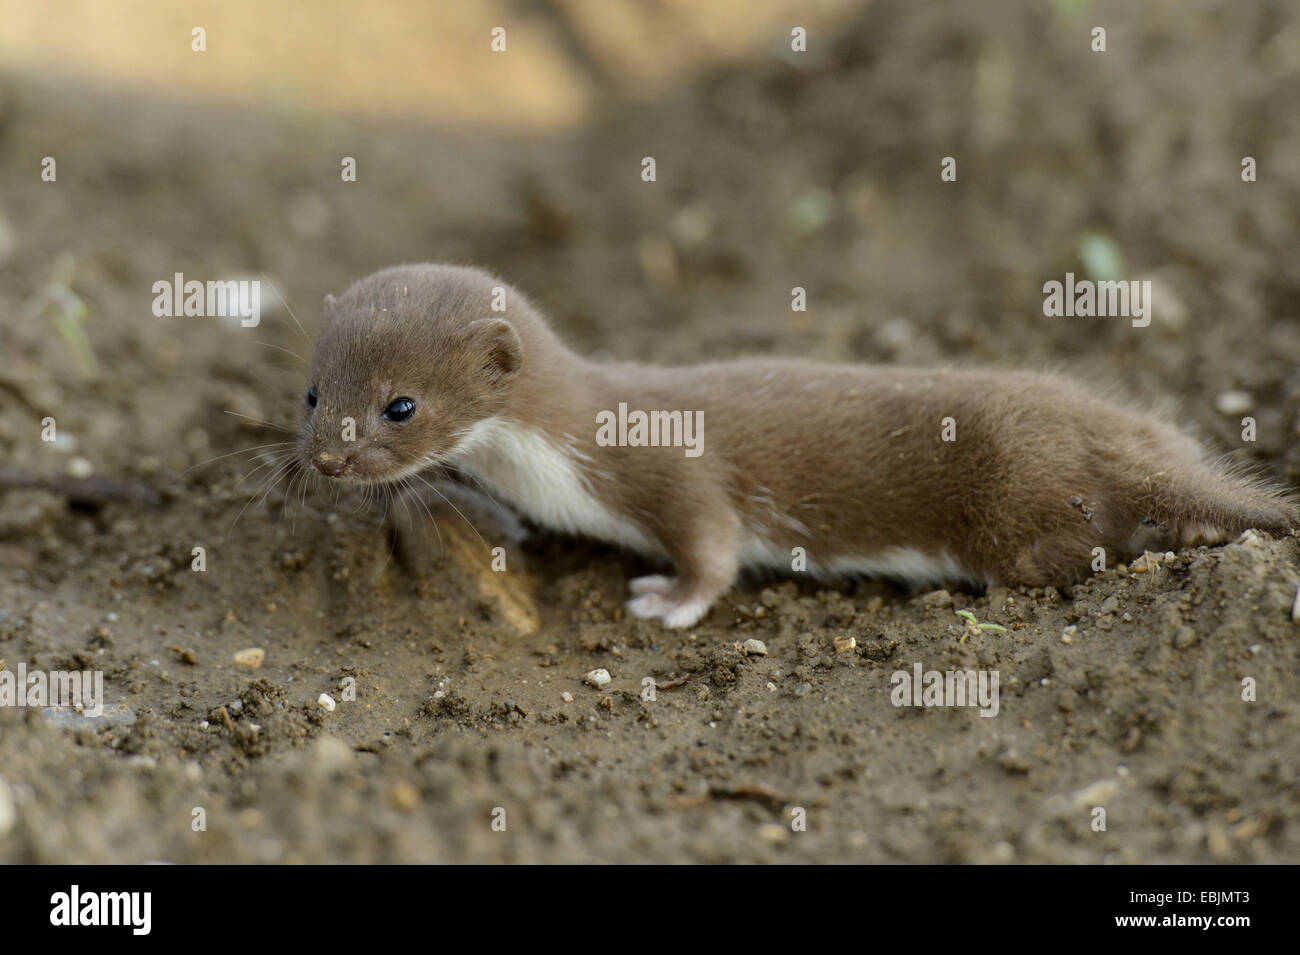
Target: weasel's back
[1008, 476]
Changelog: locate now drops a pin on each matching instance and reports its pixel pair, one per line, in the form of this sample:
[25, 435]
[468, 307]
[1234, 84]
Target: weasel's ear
[327, 309]
[498, 342]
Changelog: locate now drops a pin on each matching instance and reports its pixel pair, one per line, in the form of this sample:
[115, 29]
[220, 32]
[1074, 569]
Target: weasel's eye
[400, 409]
[311, 397]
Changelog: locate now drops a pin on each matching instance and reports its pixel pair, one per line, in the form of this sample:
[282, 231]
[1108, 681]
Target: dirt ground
[774, 171]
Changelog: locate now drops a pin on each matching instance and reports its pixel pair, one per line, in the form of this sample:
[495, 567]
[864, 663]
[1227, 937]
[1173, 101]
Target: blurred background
[776, 169]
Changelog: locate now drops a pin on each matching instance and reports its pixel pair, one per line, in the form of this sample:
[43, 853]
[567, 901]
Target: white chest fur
[544, 480]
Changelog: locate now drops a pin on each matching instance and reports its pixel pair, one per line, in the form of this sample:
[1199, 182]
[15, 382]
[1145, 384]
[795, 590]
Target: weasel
[927, 476]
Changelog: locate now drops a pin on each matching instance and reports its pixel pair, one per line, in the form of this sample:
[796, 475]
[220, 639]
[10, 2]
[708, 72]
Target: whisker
[280, 348]
[285, 302]
[456, 509]
[275, 479]
[265, 424]
[256, 447]
[279, 476]
[432, 520]
[288, 494]
[276, 459]
[307, 475]
[264, 382]
[483, 487]
[392, 544]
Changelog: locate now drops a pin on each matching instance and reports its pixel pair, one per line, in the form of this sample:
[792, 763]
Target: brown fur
[842, 460]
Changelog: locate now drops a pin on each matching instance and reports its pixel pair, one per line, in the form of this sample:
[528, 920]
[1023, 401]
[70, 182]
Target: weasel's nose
[331, 465]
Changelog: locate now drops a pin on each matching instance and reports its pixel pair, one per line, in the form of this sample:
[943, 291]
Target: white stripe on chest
[544, 481]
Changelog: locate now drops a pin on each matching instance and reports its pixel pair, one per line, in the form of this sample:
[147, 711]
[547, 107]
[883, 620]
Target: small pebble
[937, 598]
[8, 813]
[405, 796]
[597, 678]
[251, 658]
[755, 647]
[1011, 761]
[325, 702]
[566, 696]
[845, 644]
[1216, 840]
[330, 754]
[1184, 637]
[1002, 852]
[1094, 794]
[1234, 402]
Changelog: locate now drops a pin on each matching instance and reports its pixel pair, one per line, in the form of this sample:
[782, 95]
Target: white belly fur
[913, 567]
[545, 481]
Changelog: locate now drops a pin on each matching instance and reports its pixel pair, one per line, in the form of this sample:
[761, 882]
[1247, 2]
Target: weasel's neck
[547, 477]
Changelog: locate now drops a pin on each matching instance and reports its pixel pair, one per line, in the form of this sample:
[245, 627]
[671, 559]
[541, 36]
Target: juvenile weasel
[926, 476]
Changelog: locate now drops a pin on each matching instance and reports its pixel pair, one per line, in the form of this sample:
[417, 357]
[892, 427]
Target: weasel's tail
[1209, 504]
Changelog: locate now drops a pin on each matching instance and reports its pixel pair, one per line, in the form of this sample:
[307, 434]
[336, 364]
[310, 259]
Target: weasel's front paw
[653, 584]
[673, 611]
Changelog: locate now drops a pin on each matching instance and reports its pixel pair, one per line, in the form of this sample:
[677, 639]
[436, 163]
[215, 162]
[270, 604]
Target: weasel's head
[407, 362]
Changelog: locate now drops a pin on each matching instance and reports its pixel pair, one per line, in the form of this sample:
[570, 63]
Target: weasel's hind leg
[1060, 542]
[1058, 558]
[1185, 504]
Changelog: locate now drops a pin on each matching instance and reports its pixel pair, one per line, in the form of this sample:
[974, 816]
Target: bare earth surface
[773, 172]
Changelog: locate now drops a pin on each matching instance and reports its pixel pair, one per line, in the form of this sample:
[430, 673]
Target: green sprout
[973, 626]
[67, 311]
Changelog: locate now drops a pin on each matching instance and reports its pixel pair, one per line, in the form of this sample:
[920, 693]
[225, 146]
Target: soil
[772, 172]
